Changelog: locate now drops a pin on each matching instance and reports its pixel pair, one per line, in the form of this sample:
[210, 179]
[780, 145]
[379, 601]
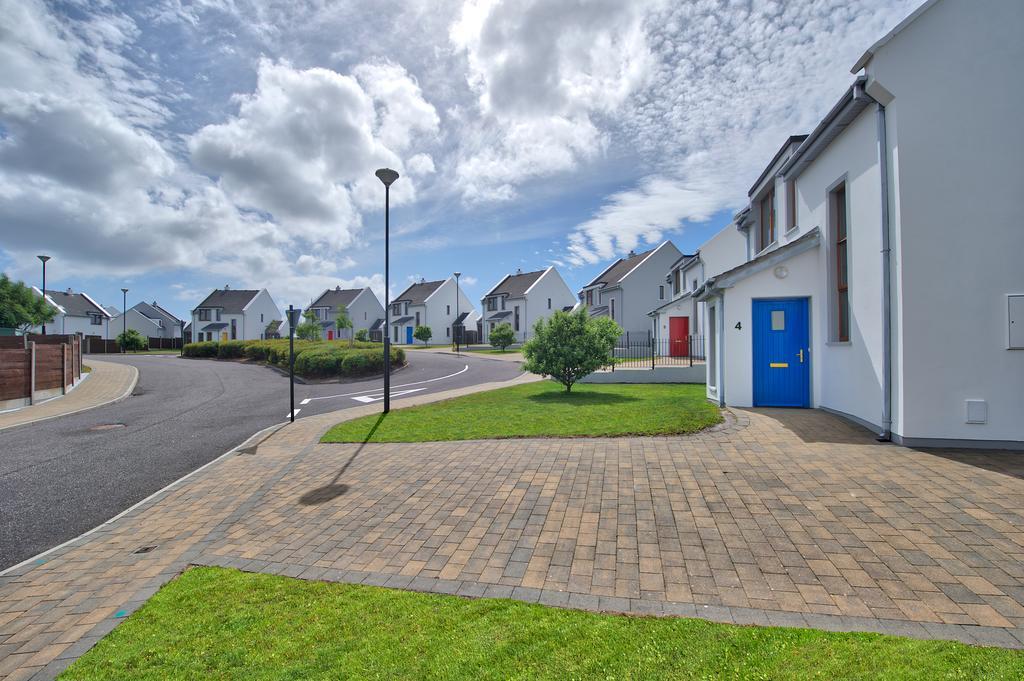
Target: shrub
[200, 349]
[568, 346]
[362, 336]
[132, 340]
[422, 333]
[502, 336]
[231, 349]
[356, 363]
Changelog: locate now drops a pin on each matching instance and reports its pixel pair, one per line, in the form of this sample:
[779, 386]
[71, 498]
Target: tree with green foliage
[310, 328]
[502, 336]
[363, 336]
[569, 345]
[21, 308]
[422, 333]
[342, 321]
[132, 341]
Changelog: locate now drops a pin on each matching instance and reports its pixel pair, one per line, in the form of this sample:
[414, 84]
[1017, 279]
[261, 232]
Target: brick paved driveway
[782, 517]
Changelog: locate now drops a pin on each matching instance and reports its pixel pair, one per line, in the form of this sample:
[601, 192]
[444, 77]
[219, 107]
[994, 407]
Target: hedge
[321, 359]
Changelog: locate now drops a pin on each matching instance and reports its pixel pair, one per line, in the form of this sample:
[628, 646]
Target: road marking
[289, 414]
[377, 390]
[377, 398]
[305, 401]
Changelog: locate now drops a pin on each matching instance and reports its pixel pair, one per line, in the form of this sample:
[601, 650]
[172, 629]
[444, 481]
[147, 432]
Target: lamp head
[387, 176]
[44, 258]
[124, 290]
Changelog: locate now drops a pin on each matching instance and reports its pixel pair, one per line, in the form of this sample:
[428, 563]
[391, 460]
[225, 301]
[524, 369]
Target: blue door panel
[781, 353]
[408, 335]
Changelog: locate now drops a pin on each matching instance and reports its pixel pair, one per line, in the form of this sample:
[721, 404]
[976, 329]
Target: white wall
[955, 141]
[260, 311]
[441, 309]
[549, 285]
[365, 310]
[136, 320]
[639, 290]
[848, 375]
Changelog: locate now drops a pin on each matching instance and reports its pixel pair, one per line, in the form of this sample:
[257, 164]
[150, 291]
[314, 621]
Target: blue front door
[782, 359]
[408, 335]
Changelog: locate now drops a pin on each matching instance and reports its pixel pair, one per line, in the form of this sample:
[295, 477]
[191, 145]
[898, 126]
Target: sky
[173, 147]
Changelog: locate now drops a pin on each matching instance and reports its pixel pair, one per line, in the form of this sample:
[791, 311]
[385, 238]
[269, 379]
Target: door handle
[801, 354]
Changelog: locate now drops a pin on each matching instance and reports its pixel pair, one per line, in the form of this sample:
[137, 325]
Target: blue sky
[174, 146]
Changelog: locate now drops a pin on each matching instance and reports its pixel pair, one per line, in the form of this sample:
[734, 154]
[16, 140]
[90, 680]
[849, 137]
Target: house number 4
[739, 325]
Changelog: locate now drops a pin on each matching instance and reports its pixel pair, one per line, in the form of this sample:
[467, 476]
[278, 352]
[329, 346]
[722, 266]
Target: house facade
[898, 209]
[234, 314]
[428, 303]
[150, 320]
[630, 288]
[360, 304]
[76, 313]
[523, 298]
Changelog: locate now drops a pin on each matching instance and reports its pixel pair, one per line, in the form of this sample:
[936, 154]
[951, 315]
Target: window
[95, 319]
[661, 292]
[841, 326]
[694, 285]
[364, 316]
[778, 320]
[613, 308]
[204, 315]
[516, 328]
[447, 331]
[790, 205]
[675, 282]
[394, 336]
[417, 319]
[492, 304]
[234, 330]
[218, 314]
[766, 225]
[261, 317]
[448, 309]
[590, 298]
[549, 303]
[503, 302]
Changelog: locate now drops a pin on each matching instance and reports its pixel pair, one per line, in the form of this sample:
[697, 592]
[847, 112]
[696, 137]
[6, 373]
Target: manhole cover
[108, 426]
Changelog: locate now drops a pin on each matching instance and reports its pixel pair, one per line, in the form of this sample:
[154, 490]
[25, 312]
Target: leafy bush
[200, 349]
[230, 349]
[422, 333]
[502, 336]
[312, 358]
[362, 336]
[132, 340]
[568, 346]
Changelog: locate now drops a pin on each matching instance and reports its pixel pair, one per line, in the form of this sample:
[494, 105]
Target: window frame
[767, 199]
[839, 261]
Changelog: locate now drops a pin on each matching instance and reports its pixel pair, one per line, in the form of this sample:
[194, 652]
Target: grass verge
[541, 410]
[225, 624]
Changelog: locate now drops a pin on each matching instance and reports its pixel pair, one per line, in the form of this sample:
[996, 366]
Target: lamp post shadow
[334, 489]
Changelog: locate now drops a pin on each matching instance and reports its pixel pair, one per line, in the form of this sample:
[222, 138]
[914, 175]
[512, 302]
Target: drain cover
[144, 549]
[108, 426]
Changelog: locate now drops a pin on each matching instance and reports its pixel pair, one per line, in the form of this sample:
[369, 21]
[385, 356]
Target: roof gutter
[853, 101]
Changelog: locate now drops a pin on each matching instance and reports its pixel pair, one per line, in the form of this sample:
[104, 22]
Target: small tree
[342, 321]
[21, 308]
[310, 328]
[362, 335]
[502, 336]
[132, 341]
[570, 345]
[422, 333]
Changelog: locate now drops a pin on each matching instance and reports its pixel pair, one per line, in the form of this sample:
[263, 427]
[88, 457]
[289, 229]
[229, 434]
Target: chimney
[423, 280]
[519, 270]
[632, 253]
[70, 291]
[337, 288]
[226, 287]
[154, 303]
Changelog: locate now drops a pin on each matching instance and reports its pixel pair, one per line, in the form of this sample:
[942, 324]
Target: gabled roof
[849, 106]
[77, 304]
[619, 269]
[337, 297]
[274, 326]
[231, 301]
[418, 293]
[155, 312]
[516, 285]
[765, 260]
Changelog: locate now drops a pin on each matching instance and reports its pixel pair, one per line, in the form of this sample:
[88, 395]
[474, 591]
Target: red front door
[330, 335]
[679, 336]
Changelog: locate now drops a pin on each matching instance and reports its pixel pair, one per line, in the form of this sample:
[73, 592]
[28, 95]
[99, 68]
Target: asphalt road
[62, 477]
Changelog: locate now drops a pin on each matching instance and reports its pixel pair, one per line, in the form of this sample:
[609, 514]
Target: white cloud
[469, 280]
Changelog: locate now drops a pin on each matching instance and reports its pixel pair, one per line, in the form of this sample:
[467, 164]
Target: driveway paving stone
[793, 518]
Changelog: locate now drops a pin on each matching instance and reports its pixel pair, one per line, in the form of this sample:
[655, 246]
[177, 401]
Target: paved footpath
[107, 382]
[789, 518]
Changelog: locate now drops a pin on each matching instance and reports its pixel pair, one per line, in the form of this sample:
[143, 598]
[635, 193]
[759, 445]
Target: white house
[360, 304]
[437, 304]
[885, 280]
[522, 298]
[234, 314]
[76, 312]
[149, 319]
[630, 288]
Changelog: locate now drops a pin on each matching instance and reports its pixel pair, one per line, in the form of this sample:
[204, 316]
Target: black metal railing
[656, 352]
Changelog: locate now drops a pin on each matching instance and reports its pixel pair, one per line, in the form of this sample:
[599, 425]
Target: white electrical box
[1015, 321]
[977, 411]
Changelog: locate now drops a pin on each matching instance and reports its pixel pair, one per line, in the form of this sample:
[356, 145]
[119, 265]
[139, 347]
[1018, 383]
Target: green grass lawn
[541, 410]
[495, 351]
[225, 624]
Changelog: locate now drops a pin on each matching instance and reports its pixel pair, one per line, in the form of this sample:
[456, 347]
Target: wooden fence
[35, 368]
[95, 345]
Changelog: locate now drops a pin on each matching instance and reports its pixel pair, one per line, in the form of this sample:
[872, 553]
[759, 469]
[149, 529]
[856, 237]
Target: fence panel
[15, 373]
[658, 352]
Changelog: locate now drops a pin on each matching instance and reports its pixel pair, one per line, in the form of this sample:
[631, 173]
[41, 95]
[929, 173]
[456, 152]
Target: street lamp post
[124, 317]
[293, 319]
[455, 328]
[44, 258]
[387, 176]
